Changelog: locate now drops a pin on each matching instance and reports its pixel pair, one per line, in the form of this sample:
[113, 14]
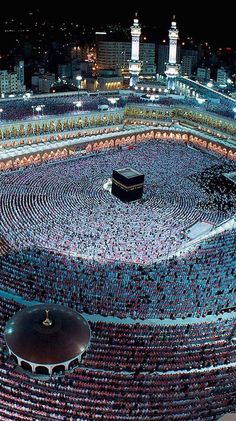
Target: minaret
[135, 63]
[172, 68]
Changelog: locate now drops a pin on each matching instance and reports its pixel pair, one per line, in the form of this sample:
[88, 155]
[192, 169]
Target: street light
[234, 110]
[113, 101]
[200, 100]
[38, 108]
[79, 79]
[1, 111]
[42, 107]
[77, 104]
[27, 96]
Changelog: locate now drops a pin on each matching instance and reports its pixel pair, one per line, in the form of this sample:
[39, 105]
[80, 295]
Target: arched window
[41, 369]
[26, 366]
[58, 368]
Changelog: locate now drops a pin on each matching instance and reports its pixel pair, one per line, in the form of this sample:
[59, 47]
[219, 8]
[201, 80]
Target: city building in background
[203, 74]
[42, 81]
[12, 82]
[116, 55]
[222, 76]
[188, 62]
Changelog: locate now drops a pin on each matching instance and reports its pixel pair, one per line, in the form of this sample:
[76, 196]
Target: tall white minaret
[172, 68]
[135, 63]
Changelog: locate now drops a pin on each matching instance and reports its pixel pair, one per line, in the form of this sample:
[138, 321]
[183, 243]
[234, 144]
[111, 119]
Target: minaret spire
[47, 322]
[135, 63]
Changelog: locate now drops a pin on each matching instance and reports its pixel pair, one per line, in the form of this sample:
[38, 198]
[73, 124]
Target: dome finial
[47, 322]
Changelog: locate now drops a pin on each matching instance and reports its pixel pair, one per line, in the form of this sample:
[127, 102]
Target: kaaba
[127, 184]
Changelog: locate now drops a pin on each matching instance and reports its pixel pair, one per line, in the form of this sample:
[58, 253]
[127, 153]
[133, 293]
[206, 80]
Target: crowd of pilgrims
[220, 106]
[74, 243]
[220, 189]
[63, 239]
[18, 109]
[134, 372]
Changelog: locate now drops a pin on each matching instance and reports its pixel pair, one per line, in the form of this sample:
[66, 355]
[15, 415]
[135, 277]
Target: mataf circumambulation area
[47, 338]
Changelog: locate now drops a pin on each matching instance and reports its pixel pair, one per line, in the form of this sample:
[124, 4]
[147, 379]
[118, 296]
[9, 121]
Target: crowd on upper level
[26, 108]
[21, 109]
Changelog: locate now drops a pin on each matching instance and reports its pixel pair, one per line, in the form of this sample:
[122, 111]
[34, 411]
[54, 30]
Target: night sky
[217, 24]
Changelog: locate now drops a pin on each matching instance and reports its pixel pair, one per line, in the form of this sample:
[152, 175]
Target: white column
[135, 48]
[33, 366]
[172, 52]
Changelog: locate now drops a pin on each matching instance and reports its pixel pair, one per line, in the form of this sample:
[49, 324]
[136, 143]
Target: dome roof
[47, 334]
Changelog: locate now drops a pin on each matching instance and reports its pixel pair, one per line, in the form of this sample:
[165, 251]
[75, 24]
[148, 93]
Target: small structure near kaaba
[47, 338]
[127, 184]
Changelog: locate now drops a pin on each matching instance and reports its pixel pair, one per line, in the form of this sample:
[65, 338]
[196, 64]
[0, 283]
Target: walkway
[129, 320]
[167, 372]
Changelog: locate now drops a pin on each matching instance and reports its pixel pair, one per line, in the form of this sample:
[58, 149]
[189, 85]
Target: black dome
[64, 339]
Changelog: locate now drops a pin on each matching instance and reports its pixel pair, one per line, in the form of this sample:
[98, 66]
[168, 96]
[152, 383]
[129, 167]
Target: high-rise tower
[135, 63]
[172, 68]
